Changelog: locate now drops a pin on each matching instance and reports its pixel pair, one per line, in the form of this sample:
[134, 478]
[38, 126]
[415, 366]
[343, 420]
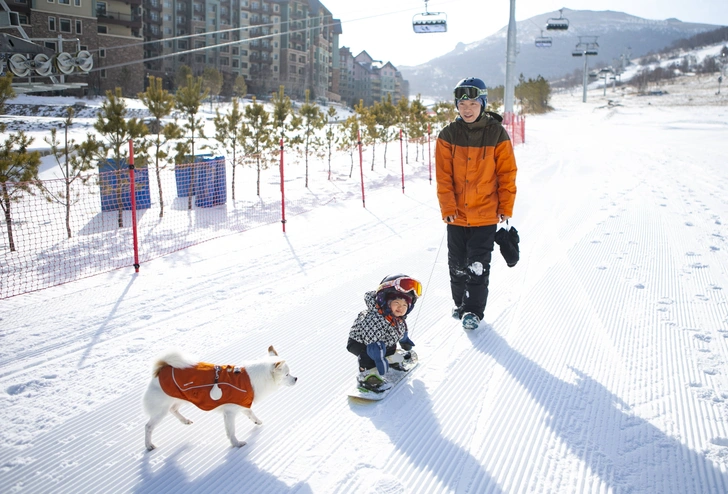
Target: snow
[602, 365]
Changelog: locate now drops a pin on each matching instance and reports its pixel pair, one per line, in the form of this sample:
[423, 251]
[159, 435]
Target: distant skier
[476, 188]
[377, 330]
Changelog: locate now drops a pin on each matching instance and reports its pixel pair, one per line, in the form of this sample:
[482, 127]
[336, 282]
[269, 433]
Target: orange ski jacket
[194, 384]
[475, 171]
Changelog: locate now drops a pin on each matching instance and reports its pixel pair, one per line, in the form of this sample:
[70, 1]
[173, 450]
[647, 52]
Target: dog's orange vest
[195, 384]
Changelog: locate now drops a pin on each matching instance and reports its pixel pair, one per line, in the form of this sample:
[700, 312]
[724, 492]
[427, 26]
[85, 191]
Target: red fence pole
[283, 193]
[132, 191]
[429, 151]
[401, 157]
[361, 169]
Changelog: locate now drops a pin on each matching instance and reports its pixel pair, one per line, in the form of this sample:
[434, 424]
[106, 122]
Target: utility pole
[509, 88]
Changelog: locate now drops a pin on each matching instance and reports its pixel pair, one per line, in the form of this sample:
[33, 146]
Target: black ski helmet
[471, 88]
[384, 294]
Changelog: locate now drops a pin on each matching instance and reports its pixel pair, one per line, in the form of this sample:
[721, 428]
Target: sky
[384, 28]
[601, 365]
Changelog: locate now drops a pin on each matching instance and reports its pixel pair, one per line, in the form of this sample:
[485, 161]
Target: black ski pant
[469, 250]
[360, 350]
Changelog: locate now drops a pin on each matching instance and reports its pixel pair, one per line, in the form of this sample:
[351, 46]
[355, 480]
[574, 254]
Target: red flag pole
[361, 169]
[283, 193]
[132, 190]
[401, 157]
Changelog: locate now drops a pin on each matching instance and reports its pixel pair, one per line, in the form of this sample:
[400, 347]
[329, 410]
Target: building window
[182, 44]
[102, 29]
[103, 73]
[51, 45]
[79, 27]
[102, 52]
[77, 3]
[22, 19]
[51, 23]
[65, 25]
[100, 8]
[64, 2]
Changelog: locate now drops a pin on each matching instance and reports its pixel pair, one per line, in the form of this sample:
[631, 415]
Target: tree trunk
[8, 219]
[374, 145]
[258, 184]
[119, 198]
[351, 170]
[233, 182]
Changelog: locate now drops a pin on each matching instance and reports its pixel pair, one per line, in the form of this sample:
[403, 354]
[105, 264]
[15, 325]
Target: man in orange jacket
[476, 188]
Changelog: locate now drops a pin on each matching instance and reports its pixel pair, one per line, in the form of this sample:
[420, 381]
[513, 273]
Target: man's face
[469, 110]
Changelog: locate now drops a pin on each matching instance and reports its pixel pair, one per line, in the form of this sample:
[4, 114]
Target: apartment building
[361, 78]
[110, 30]
[294, 43]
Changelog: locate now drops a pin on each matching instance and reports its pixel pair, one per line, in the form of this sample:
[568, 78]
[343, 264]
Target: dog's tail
[174, 359]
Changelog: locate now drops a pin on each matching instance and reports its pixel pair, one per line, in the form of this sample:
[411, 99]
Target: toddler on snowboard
[377, 330]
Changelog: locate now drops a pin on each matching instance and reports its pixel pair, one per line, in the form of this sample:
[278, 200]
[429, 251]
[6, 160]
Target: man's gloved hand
[451, 218]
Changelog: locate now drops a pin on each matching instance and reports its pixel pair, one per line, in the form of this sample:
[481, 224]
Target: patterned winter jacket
[372, 325]
[476, 171]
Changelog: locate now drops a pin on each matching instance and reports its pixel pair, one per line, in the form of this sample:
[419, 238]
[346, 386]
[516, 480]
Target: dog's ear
[279, 363]
[272, 351]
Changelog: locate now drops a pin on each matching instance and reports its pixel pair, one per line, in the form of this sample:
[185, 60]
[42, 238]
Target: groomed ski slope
[601, 367]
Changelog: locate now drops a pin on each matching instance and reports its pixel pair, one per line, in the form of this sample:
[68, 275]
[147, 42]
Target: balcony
[152, 19]
[105, 16]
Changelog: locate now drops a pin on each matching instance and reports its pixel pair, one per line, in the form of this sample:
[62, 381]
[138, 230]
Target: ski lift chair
[543, 41]
[429, 22]
[560, 23]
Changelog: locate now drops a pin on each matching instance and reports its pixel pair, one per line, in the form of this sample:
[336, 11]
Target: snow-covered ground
[602, 365]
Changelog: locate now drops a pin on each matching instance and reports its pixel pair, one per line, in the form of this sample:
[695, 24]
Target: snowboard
[394, 376]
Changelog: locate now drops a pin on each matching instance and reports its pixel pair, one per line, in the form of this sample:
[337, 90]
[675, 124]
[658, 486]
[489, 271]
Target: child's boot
[371, 380]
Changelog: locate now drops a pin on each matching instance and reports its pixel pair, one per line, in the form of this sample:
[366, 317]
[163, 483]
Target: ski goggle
[404, 285]
[468, 92]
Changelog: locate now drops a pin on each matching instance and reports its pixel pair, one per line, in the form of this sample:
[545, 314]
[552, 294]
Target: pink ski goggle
[404, 285]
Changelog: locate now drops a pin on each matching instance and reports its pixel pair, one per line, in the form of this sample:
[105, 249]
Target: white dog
[208, 386]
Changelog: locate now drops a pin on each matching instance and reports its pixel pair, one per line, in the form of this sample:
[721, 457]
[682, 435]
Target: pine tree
[258, 138]
[227, 133]
[313, 121]
[188, 100]
[73, 159]
[160, 104]
[18, 174]
[113, 124]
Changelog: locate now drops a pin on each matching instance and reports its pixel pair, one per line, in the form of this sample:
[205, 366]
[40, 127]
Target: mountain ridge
[617, 34]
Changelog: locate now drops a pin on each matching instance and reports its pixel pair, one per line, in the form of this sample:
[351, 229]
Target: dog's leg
[252, 416]
[229, 415]
[149, 428]
[174, 409]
